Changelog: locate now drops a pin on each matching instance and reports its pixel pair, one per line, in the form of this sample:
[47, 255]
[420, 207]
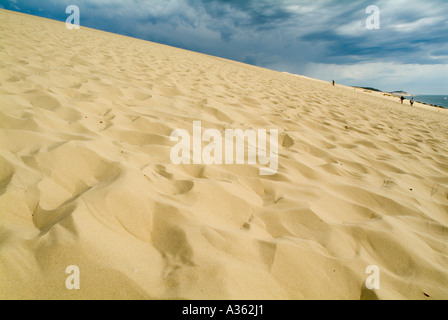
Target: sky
[401, 45]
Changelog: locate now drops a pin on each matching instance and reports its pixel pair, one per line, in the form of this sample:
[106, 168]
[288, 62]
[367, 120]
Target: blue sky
[324, 39]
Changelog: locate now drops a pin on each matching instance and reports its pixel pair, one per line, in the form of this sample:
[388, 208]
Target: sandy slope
[86, 178]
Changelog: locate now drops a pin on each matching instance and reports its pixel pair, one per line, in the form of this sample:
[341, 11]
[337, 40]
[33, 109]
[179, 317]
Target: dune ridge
[86, 178]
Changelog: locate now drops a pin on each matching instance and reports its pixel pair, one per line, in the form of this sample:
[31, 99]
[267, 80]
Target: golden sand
[86, 178]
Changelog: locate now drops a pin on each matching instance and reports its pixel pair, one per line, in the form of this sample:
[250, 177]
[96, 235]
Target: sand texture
[86, 178]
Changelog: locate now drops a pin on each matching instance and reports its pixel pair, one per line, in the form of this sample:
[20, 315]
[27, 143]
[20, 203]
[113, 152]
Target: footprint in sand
[43, 100]
[6, 174]
[167, 184]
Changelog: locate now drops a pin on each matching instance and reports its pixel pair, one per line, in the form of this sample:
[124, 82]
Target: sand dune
[86, 178]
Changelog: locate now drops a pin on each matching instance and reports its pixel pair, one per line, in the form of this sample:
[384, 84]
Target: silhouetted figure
[333, 83]
[412, 102]
[401, 98]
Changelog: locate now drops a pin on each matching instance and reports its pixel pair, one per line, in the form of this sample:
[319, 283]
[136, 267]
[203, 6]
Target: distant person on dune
[401, 98]
[333, 83]
[412, 102]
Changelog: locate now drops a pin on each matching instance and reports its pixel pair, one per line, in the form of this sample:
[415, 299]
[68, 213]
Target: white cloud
[414, 78]
[419, 24]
